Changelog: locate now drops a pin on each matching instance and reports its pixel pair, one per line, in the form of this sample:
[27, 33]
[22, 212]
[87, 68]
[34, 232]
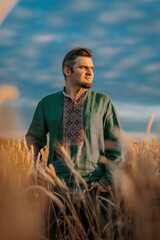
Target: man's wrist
[104, 183]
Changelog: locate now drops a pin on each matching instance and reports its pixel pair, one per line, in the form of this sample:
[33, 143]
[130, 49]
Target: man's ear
[66, 71]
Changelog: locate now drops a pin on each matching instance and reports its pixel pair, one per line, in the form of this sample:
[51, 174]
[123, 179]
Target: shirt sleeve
[111, 121]
[37, 131]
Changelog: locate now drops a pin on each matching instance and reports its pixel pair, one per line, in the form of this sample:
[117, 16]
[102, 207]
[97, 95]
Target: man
[80, 119]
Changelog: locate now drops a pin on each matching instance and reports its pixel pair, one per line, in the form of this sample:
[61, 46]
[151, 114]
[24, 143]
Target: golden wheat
[135, 199]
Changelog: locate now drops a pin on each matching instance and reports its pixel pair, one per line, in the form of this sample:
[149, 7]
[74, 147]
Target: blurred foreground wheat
[32, 190]
[5, 7]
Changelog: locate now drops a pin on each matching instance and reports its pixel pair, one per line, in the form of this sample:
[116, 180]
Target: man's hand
[99, 187]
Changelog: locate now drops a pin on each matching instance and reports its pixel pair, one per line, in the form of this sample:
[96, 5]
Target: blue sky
[123, 35]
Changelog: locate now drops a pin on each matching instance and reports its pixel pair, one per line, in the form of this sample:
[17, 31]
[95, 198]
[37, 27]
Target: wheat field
[31, 191]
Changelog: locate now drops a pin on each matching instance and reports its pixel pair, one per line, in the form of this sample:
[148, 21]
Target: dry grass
[32, 190]
[5, 7]
[137, 191]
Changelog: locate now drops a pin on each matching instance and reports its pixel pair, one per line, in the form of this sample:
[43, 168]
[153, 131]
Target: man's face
[82, 75]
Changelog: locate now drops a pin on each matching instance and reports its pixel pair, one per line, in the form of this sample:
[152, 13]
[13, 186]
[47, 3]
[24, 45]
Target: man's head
[78, 67]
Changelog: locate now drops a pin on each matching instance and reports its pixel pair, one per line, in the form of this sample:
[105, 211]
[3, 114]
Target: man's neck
[72, 92]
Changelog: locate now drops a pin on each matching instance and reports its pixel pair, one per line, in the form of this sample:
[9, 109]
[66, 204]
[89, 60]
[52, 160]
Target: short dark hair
[69, 59]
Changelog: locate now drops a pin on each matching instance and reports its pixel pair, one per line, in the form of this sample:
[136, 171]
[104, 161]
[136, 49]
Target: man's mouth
[88, 79]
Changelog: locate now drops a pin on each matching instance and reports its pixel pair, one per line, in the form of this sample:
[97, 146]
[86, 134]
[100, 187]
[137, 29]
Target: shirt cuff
[104, 183]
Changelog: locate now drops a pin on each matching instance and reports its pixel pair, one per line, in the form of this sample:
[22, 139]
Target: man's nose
[89, 71]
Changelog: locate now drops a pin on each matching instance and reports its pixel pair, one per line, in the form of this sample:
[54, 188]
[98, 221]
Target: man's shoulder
[99, 95]
[51, 97]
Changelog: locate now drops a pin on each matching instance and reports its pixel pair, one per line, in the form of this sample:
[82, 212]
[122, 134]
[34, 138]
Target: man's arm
[37, 131]
[111, 122]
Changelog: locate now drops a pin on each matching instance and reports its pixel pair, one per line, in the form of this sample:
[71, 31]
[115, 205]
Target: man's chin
[86, 85]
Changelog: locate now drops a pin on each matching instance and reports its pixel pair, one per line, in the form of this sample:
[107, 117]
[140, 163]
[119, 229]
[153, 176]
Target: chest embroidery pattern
[73, 126]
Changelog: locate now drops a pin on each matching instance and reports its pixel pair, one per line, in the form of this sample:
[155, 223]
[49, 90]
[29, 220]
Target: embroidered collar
[80, 92]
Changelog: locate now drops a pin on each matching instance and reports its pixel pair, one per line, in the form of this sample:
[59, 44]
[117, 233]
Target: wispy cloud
[119, 15]
[127, 62]
[26, 102]
[7, 33]
[46, 38]
[83, 5]
[29, 51]
[87, 42]
[57, 21]
[97, 31]
[58, 83]
[144, 52]
[147, 1]
[24, 13]
[108, 51]
[129, 40]
[154, 79]
[137, 59]
[7, 37]
[149, 90]
[110, 74]
[137, 112]
[151, 27]
[152, 67]
[43, 78]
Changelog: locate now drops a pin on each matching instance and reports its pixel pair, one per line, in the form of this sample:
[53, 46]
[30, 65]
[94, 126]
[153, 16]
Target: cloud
[25, 75]
[7, 37]
[57, 21]
[58, 83]
[10, 61]
[87, 42]
[23, 13]
[147, 1]
[108, 51]
[145, 52]
[11, 65]
[7, 33]
[149, 90]
[53, 80]
[25, 102]
[46, 38]
[147, 28]
[136, 112]
[127, 62]
[83, 5]
[154, 79]
[97, 31]
[110, 75]
[43, 78]
[119, 15]
[129, 40]
[157, 23]
[150, 68]
[137, 59]
[29, 51]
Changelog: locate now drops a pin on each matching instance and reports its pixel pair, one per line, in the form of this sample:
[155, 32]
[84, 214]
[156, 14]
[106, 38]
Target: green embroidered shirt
[100, 119]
